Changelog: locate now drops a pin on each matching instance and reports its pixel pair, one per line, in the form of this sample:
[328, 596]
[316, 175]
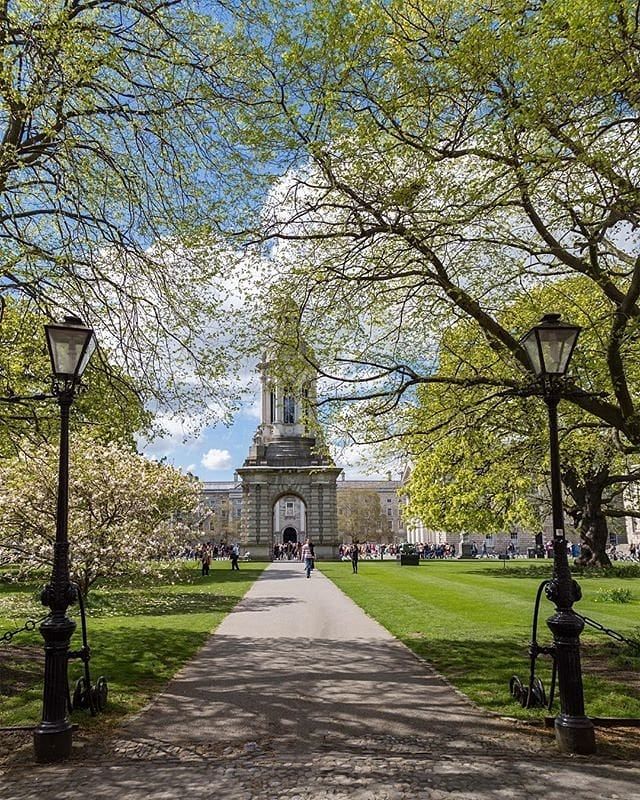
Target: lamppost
[550, 345]
[71, 345]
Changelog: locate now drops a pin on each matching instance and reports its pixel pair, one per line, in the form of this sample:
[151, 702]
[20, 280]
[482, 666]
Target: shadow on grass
[131, 604]
[21, 587]
[20, 668]
[137, 662]
[190, 574]
[481, 669]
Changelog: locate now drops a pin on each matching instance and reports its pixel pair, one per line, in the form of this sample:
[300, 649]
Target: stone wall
[263, 486]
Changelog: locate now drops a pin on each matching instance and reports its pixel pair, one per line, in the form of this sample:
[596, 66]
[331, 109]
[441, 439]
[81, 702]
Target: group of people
[296, 551]
[207, 552]
[366, 550]
[291, 551]
[373, 550]
[632, 554]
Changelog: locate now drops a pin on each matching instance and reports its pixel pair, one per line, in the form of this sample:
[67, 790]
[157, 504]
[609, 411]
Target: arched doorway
[289, 522]
[289, 535]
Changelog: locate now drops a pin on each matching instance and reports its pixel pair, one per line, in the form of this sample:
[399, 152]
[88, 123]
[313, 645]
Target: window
[289, 409]
[289, 509]
[272, 406]
[389, 512]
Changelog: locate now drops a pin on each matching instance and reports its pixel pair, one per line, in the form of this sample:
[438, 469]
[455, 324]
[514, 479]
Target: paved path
[299, 695]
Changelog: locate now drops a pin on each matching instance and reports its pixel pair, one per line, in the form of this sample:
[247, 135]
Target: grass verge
[141, 631]
[472, 622]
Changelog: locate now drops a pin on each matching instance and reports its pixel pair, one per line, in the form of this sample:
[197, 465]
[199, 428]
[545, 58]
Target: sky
[215, 453]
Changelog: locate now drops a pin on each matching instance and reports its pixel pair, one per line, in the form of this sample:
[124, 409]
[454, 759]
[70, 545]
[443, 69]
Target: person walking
[355, 555]
[235, 553]
[313, 555]
[206, 561]
[307, 557]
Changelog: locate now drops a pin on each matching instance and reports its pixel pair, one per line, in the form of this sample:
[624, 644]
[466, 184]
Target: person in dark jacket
[355, 555]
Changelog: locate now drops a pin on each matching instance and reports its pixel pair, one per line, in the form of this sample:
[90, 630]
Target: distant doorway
[289, 535]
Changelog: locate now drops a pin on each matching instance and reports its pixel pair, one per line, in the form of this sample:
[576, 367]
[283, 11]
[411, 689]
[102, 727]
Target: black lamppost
[550, 345]
[71, 345]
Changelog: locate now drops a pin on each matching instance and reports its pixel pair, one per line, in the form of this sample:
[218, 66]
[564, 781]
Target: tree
[482, 458]
[121, 505]
[439, 157]
[361, 516]
[110, 407]
[110, 184]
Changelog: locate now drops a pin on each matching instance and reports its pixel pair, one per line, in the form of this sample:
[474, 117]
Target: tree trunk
[588, 516]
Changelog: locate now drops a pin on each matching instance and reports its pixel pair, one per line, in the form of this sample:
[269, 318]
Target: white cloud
[170, 435]
[363, 461]
[215, 459]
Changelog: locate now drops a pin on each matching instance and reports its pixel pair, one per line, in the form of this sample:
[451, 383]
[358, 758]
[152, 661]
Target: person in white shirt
[307, 557]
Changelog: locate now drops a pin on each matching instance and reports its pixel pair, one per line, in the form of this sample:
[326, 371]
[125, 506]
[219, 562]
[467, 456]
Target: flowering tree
[121, 509]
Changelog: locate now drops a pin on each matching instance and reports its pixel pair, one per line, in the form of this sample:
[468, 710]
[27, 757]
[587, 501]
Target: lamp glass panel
[68, 349]
[530, 344]
[91, 346]
[556, 346]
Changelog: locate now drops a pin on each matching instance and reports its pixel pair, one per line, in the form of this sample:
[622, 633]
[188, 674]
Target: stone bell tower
[288, 481]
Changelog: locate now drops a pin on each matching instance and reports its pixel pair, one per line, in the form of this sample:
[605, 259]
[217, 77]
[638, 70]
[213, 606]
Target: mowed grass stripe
[450, 601]
[472, 621]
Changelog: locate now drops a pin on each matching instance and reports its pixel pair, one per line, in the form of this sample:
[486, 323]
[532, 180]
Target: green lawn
[141, 631]
[472, 621]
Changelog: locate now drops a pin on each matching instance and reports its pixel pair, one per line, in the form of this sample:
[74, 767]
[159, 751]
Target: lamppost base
[52, 745]
[575, 735]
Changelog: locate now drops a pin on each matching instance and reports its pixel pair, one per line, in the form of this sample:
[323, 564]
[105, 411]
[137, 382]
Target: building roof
[220, 486]
[376, 485]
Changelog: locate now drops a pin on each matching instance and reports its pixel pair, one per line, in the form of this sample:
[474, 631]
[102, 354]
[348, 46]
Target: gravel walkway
[300, 695]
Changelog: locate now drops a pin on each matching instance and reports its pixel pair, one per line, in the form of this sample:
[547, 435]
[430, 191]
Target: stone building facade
[393, 528]
[220, 511]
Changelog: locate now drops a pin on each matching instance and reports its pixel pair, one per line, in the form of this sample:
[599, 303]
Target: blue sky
[214, 453]
[217, 451]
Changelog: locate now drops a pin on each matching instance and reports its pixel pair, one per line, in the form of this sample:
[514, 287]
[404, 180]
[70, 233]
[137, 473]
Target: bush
[616, 594]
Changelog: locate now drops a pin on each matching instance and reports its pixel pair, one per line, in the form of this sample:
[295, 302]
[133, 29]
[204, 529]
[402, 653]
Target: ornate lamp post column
[70, 348]
[550, 345]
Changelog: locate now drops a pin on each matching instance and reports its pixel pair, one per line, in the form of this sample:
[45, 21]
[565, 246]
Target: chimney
[389, 475]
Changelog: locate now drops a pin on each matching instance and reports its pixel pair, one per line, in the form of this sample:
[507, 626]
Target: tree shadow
[308, 692]
[137, 661]
[129, 604]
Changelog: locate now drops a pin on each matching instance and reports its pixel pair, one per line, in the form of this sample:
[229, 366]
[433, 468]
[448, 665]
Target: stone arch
[289, 534]
[263, 485]
[289, 512]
